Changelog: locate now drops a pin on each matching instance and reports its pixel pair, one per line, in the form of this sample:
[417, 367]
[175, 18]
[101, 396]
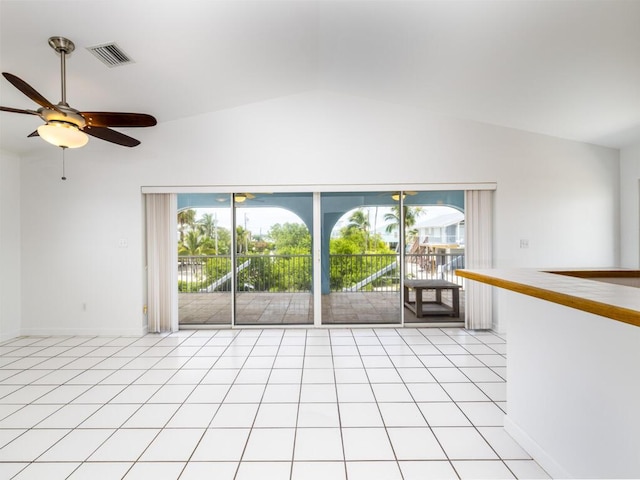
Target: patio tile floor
[297, 308]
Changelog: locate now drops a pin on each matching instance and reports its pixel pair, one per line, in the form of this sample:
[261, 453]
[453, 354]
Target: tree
[411, 215]
[291, 239]
[355, 237]
[262, 245]
[208, 226]
[186, 218]
[224, 241]
[195, 244]
[242, 240]
[359, 220]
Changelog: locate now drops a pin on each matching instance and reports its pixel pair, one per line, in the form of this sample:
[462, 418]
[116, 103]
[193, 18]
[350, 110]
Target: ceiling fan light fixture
[63, 134]
[65, 126]
[239, 197]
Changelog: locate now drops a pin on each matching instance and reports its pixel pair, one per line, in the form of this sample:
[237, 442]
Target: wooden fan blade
[33, 134]
[112, 136]
[118, 119]
[30, 92]
[19, 110]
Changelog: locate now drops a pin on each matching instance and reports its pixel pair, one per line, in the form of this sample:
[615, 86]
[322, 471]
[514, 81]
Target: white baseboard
[85, 332]
[5, 336]
[545, 460]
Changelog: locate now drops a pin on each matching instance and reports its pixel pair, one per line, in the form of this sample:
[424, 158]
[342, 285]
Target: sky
[256, 220]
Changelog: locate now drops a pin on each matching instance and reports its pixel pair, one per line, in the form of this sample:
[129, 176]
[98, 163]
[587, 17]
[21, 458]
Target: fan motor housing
[72, 116]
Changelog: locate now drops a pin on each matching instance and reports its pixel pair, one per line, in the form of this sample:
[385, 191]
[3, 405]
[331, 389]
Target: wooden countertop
[571, 288]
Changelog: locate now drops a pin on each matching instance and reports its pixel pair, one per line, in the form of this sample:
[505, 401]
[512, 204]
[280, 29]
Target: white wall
[76, 277]
[562, 196]
[9, 245]
[630, 207]
[571, 406]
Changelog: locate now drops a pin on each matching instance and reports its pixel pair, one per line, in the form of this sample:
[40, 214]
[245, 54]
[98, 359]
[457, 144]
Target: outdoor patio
[297, 308]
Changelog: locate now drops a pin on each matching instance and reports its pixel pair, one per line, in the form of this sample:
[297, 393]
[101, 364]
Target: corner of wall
[499, 323]
[10, 246]
[630, 207]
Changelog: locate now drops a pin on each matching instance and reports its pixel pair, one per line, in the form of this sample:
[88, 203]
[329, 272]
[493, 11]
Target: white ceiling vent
[110, 54]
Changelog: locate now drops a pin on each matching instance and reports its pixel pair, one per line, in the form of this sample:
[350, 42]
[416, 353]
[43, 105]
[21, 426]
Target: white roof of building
[442, 220]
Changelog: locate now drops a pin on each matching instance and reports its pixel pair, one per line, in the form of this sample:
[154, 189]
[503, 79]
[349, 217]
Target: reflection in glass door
[274, 273]
[204, 259]
[360, 258]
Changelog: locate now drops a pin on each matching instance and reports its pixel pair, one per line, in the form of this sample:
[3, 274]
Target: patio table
[420, 307]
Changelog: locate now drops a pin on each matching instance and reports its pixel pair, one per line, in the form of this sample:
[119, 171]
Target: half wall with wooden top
[573, 350]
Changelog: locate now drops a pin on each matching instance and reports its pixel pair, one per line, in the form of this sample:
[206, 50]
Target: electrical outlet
[524, 243]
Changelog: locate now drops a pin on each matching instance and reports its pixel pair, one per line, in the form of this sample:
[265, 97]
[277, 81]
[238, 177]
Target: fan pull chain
[63, 175]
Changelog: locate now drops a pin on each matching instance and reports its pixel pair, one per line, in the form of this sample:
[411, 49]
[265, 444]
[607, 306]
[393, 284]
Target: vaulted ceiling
[564, 68]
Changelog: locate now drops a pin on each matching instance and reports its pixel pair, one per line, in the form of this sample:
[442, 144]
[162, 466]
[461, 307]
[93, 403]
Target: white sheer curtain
[162, 261]
[479, 244]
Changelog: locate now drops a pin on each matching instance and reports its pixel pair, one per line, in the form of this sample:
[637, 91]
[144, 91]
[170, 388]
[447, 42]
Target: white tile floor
[352, 404]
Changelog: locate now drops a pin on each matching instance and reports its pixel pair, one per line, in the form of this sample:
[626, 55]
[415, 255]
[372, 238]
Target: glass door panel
[360, 258]
[274, 268]
[204, 259]
[434, 249]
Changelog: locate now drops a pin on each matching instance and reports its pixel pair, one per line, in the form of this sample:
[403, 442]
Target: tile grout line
[478, 430]
[390, 353]
[48, 416]
[259, 403]
[416, 403]
[335, 382]
[386, 431]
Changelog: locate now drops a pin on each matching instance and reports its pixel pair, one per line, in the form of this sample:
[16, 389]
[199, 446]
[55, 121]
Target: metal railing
[275, 273]
[364, 272]
[434, 266]
[199, 273]
[261, 273]
[293, 273]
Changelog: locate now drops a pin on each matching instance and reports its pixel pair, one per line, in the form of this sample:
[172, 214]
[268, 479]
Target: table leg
[418, 302]
[455, 299]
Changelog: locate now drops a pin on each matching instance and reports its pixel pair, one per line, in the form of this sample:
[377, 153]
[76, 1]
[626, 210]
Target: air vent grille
[110, 54]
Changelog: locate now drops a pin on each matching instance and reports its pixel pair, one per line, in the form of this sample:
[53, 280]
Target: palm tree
[186, 218]
[195, 244]
[208, 226]
[242, 240]
[411, 215]
[360, 221]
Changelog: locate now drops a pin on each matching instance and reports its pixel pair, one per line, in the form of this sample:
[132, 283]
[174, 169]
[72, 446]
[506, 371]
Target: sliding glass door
[274, 274]
[360, 257]
[247, 258]
[204, 259]
[434, 249]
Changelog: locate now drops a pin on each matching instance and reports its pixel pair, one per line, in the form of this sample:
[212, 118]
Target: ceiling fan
[241, 197]
[396, 195]
[67, 127]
